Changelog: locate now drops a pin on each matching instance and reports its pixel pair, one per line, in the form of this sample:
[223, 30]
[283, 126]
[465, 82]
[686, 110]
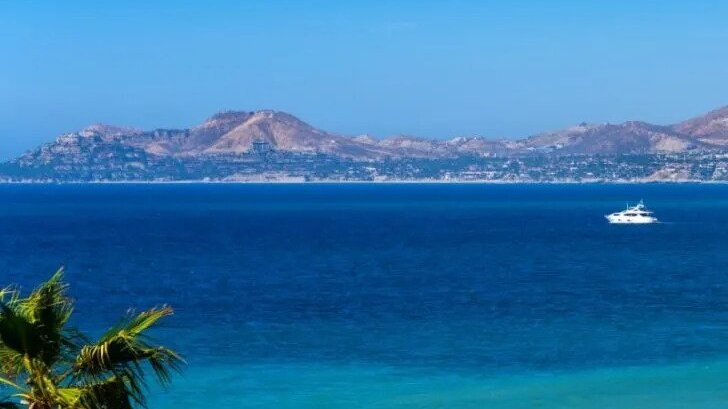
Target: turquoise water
[398, 296]
[697, 385]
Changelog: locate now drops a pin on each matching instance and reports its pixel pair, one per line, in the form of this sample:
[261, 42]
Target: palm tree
[44, 364]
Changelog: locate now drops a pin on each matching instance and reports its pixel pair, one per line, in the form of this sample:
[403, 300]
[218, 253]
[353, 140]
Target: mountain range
[238, 132]
[271, 145]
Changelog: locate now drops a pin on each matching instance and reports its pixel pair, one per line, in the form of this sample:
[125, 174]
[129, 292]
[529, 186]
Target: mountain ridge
[711, 127]
[240, 132]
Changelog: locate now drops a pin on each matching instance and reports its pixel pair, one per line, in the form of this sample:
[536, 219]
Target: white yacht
[637, 214]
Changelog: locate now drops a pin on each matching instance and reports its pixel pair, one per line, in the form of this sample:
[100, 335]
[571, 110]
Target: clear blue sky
[429, 68]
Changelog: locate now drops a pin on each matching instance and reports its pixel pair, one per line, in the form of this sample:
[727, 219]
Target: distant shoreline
[371, 182]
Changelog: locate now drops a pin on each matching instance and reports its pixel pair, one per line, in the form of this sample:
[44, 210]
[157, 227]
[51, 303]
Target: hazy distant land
[271, 146]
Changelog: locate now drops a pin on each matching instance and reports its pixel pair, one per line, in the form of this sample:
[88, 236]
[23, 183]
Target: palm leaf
[11, 362]
[18, 334]
[135, 326]
[68, 396]
[112, 393]
[124, 348]
[59, 368]
[49, 309]
[9, 383]
[7, 292]
[33, 326]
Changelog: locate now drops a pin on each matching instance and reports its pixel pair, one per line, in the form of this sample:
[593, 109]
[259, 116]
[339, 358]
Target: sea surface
[397, 296]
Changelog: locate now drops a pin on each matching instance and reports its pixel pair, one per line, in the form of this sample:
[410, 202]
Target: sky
[429, 68]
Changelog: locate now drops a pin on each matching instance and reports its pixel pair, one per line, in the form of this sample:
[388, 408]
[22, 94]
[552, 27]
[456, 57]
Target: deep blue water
[282, 286]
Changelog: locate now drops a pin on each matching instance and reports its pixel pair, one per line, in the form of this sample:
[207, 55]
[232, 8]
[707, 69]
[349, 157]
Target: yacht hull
[637, 214]
[630, 220]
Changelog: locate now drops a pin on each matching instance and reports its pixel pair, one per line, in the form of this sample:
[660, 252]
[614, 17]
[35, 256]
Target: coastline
[369, 182]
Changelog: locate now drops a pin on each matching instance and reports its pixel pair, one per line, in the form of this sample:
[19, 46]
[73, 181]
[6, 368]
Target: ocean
[397, 296]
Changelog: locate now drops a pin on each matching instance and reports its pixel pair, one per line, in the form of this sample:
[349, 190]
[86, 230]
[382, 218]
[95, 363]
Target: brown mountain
[283, 132]
[627, 138]
[233, 133]
[236, 132]
[711, 128]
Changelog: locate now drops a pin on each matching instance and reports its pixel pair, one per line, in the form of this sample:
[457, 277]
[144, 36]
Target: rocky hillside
[627, 138]
[235, 133]
[711, 128]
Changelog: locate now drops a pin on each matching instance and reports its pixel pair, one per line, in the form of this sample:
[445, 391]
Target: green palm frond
[68, 398]
[48, 365]
[125, 348]
[19, 334]
[49, 302]
[11, 362]
[49, 309]
[136, 325]
[9, 383]
[112, 393]
[33, 326]
[7, 293]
